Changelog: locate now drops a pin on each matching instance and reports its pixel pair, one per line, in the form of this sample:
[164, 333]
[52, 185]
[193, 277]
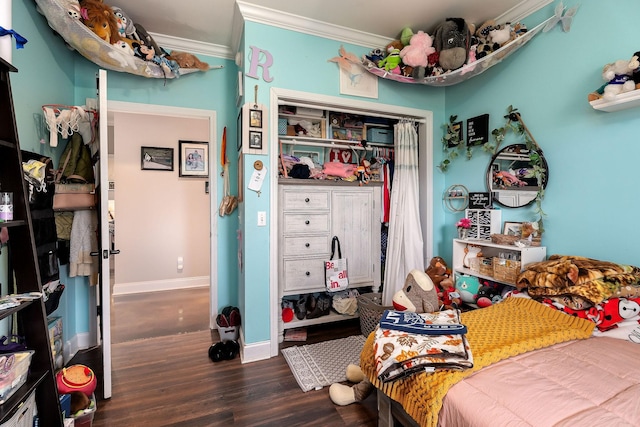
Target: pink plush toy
[416, 53]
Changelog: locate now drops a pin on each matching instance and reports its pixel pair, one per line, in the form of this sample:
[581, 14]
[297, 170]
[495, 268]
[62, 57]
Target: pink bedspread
[593, 382]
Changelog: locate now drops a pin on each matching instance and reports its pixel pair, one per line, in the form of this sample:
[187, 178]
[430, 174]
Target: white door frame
[192, 113]
[425, 117]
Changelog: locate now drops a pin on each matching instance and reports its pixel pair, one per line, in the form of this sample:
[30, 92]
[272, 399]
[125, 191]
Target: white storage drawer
[304, 274]
[306, 223]
[306, 246]
[305, 200]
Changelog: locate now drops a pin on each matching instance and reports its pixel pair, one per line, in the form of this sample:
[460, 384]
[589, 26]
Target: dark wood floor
[167, 378]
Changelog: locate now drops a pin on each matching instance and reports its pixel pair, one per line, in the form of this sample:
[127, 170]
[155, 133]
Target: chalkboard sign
[480, 201]
[478, 130]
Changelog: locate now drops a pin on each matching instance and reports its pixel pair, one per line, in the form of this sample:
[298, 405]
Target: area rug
[317, 365]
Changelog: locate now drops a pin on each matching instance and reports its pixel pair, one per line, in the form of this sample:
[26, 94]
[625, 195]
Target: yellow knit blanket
[512, 327]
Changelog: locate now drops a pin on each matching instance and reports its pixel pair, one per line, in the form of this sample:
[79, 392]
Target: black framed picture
[194, 159]
[239, 130]
[255, 140]
[255, 118]
[156, 158]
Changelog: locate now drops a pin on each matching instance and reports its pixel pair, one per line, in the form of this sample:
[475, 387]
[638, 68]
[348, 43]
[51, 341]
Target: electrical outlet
[262, 218]
[180, 263]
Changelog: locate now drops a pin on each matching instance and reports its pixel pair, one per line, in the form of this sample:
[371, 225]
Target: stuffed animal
[452, 41]
[618, 76]
[468, 287]
[416, 54]
[125, 24]
[502, 34]
[99, 17]
[391, 62]
[437, 270]
[148, 54]
[187, 60]
[484, 43]
[417, 295]
[634, 64]
[449, 296]
[488, 295]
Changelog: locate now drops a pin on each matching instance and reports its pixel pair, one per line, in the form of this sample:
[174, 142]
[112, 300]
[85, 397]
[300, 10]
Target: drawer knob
[306, 200]
[307, 273]
[307, 222]
[307, 245]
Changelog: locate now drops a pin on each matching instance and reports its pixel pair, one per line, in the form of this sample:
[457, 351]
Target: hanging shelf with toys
[490, 44]
[126, 48]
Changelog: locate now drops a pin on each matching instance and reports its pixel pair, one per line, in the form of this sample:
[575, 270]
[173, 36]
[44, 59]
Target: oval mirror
[511, 178]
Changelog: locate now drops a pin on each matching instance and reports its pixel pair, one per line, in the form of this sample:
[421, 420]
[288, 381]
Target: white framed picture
[358, 82]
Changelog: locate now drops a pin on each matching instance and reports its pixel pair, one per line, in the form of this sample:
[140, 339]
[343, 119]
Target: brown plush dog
[188, 60]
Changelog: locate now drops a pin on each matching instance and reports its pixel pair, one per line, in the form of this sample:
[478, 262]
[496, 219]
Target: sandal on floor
[300, 308]
[216, 352]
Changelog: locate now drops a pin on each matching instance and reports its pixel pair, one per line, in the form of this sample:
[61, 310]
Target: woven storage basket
[505, 270]
[506, 239]
[485, 266]
[371, 309]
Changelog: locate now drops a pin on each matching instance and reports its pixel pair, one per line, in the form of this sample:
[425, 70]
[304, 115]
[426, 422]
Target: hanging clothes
[404, 245]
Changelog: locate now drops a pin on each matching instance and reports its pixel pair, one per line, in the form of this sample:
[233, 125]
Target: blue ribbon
[20, 41]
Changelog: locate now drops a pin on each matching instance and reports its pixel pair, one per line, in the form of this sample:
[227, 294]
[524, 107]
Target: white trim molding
[160, 285]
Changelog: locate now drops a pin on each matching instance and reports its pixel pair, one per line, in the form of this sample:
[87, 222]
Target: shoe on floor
[300, 308]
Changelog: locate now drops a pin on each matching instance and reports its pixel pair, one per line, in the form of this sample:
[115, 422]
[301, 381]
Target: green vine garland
[452, 145]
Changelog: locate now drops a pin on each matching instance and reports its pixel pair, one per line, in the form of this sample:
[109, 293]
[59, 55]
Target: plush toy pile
[453, 44]
[114, 26]
[620, 76]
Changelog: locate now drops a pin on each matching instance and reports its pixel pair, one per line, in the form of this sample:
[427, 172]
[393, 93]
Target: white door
[105, 250]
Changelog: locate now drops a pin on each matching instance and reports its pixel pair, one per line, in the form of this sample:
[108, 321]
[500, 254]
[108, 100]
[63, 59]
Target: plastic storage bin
[380, 135]
[85, 419]
[24, 415]
[14, 368]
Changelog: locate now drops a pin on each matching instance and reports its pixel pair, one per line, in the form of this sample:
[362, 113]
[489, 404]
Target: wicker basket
[505, 270]
[371, 309]
[506, 239]
[485, 266]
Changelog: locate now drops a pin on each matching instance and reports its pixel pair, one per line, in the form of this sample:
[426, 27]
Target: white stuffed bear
[618, 76]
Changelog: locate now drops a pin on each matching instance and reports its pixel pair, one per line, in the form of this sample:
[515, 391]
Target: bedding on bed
[512, 327]
[593, 382]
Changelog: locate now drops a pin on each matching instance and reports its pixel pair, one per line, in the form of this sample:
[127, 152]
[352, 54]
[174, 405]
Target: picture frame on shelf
[194, 159]
[512, 228]
[156, 158]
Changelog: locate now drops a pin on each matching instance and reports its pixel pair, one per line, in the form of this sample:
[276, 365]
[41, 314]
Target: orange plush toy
[100, 19]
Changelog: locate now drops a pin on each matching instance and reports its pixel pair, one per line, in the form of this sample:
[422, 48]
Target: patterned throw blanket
[512, 327]
[579, 277]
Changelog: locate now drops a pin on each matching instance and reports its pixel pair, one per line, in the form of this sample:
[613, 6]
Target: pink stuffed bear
[416, 53]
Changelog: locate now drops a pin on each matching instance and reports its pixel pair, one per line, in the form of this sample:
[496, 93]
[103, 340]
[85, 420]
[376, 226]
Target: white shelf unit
[622, 101]
[528, 255]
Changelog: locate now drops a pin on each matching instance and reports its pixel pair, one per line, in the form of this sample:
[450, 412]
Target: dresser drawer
[305, 200]
[306, 246]
[304, 275]
[305, 223]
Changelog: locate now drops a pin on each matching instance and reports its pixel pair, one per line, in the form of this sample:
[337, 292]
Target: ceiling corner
[522, 10]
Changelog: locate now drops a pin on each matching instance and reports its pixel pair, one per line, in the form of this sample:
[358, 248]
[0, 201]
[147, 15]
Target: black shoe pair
[321, 306]
[227, 350]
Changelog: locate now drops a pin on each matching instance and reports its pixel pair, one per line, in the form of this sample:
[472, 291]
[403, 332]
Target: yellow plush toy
[100, 19]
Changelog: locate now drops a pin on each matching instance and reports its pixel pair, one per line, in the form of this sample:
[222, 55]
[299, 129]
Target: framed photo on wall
[194, 159]
[255, 140]
[156, 158]
[255, 118]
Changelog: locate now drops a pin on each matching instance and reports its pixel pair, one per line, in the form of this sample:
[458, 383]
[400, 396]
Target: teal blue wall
[300, 62]
[591, 201]
[50, 73]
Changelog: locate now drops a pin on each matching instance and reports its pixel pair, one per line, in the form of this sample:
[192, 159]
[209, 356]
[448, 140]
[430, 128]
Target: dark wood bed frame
[391, 413]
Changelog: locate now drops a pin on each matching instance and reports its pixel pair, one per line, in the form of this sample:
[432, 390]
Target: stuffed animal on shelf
[416, 54]
[618, 76]
[391, 62]
[418, 295]
[483, 41]
[488, 295]
[634, 64]
[452, 39]
[99, 18]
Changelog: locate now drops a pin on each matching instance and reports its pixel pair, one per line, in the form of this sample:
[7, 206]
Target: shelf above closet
[622, 101]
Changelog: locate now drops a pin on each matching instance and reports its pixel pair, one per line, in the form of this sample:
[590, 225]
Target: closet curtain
[404, 244]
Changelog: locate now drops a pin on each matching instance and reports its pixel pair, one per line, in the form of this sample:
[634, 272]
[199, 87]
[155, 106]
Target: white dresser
[311, 213]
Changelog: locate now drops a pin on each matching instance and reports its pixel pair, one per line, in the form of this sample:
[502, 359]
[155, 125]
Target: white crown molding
[192, 46]
[288, 21]
[522, 10]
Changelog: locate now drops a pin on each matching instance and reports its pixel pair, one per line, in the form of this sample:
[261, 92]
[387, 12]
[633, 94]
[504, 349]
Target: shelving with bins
[527, 255]
[30, 316]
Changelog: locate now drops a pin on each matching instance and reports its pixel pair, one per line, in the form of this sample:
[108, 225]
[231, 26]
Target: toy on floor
[417, 295]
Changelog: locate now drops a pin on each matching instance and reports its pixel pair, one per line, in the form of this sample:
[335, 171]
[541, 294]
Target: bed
[555, 370]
